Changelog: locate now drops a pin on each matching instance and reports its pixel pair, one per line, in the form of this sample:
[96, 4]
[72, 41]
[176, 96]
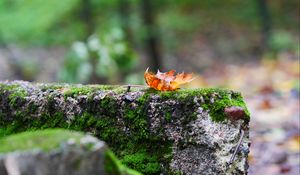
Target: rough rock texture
[61, 153]
[180, 132]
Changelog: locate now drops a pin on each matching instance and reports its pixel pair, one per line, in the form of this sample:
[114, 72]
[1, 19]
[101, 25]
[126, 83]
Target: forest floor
[271, 90]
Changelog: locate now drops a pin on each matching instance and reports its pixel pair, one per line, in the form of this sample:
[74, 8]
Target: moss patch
[142, 161]
[16, 94]
[215, 100]
[70, 90]
[44, 140]
[114, 167]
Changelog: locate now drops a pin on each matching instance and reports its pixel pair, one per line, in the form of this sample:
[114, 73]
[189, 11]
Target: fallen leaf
[166, 81]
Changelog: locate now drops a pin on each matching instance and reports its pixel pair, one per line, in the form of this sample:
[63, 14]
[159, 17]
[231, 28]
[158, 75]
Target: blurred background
[250, 46]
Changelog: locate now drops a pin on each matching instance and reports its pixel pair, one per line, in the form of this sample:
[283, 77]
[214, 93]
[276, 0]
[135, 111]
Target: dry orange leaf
[166, 81]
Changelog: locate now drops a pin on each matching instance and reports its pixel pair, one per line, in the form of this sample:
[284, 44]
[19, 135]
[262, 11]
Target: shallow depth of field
[249, 46]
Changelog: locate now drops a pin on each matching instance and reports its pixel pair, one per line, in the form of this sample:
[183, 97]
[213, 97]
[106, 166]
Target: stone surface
[71, 155]
[185, 131]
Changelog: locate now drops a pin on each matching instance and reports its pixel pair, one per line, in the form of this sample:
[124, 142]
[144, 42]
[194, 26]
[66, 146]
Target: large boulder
[179, 132]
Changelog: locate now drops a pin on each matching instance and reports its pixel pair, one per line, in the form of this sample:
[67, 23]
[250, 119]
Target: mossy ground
[136, 147]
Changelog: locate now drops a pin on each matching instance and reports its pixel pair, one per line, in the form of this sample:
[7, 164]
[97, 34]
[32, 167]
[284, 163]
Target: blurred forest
[251, 46]
[113, 41]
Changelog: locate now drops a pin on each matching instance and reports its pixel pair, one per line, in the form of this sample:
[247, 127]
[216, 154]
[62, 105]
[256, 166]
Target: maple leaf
[166, 81]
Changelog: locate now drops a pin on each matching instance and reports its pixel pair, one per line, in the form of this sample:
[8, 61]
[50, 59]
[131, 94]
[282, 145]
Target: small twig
[237, 147]
[128, 88]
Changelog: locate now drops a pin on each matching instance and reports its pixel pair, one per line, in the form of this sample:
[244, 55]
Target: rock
[59, 152]
[184, 131]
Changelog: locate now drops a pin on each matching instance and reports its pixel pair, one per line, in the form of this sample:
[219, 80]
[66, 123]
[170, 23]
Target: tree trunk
[124, 13]
[87, 17]
[151, 39]
[266, 23]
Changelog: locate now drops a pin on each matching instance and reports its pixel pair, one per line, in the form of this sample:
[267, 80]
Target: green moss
[16, 93]
[136, 121]
[106, 127]
[74, 90]
[44, 140]
[114, 167]
[5, 131]
[148, 155]
[222, 98]
[168, 116]
[143, 161]
[5, 87]
[15, 126]
[139, 149]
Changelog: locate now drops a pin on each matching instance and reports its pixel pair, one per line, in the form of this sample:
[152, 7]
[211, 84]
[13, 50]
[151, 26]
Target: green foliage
[61, 22]
[282, 41]
[34, 20]
[107, 56]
